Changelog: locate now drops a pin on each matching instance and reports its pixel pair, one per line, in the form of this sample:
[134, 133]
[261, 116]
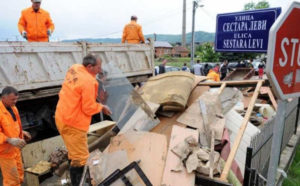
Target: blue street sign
[246, 31]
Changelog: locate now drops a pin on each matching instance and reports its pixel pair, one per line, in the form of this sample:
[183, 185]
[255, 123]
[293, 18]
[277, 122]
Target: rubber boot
[75, 174]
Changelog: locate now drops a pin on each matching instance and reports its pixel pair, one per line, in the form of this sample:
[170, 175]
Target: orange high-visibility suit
[212, 75]
[10, 156]
[36, 24]
[132, 33]
[75, 107]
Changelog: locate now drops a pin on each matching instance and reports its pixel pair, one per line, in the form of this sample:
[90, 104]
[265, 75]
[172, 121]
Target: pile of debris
[180, 129]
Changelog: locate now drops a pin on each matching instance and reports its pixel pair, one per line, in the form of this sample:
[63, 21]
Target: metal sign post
[276, 141]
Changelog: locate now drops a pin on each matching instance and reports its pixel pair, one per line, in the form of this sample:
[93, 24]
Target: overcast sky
[106, 18]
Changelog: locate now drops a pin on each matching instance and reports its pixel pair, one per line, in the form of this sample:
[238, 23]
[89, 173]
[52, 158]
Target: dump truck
[37, 70]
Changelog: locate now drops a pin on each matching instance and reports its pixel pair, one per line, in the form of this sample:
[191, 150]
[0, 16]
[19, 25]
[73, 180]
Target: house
[180, 51]
[162, 48]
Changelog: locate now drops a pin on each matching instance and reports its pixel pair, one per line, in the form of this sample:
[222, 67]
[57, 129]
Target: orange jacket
[9, 129]
[212, 75]
[36, 24]
[77, 98]
[132, 33]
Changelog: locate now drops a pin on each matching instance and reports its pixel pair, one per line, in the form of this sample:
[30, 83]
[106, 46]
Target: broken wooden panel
[171, 178]
[193, 116]
[150, 148]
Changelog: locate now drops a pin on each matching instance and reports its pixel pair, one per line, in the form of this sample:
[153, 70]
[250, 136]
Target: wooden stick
[221, 88]
[271, 96]
[212, 154]
[239, 136]
[230, 83]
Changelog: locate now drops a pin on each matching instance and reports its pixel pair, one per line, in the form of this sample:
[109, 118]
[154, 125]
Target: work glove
[17, 142]
[49, 32]
[24, 35]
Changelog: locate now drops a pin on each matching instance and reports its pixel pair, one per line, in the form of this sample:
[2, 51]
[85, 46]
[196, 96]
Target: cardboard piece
[149, 148]
[171, 178]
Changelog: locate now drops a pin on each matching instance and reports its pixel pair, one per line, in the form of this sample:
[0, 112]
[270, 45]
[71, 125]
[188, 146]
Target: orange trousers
[76, 142]
[12, 170]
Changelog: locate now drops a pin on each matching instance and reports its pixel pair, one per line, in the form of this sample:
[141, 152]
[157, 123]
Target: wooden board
[178, 178]
[150, 148]
[192, 117]
[196, 93]
[166, 124]
[101, 125]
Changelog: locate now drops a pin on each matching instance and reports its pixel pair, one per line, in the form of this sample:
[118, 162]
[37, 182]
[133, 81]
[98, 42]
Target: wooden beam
[234, 83]
[240, 133]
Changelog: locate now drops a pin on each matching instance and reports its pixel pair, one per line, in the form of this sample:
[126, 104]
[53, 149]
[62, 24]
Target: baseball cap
[36, 1]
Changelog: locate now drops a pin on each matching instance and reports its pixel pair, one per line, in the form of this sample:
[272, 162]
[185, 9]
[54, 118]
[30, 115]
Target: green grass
[176, 62]
[293, 178]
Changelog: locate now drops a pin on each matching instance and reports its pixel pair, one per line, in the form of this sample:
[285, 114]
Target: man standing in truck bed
[12, 138]
[132, 32]
[75, 108]
[35, 24]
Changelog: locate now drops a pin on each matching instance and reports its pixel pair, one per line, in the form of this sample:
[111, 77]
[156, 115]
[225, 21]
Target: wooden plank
[230, 83]
[101, 125]
[171, 178]
[273, 101]
[240, 133]
[165, 126]
[32, 179]
[150, 148]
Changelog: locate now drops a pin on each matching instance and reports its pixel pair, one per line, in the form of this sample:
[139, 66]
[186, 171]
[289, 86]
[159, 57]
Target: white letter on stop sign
[294, 41]
[285, 41]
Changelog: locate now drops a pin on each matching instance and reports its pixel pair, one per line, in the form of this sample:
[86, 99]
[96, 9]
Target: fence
[258, 154]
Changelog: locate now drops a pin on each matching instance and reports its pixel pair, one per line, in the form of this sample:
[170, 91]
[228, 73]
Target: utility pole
[183, 39]
[195, 6]
[193, 34]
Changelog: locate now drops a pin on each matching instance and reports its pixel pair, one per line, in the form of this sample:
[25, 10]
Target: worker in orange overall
[75, 108]
[132, 32]
[35, 24]
[12, 139]
[213, 74]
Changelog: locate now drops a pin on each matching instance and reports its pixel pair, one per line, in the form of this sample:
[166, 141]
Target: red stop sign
[283, 65]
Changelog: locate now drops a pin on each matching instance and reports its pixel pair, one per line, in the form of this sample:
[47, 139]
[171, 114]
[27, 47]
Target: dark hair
[90, 59]
[133, 17]
[8, 90]
[198, 61]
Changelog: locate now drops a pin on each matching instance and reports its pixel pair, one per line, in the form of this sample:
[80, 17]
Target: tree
[260, 5]
[249, 6]
[207, 53]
